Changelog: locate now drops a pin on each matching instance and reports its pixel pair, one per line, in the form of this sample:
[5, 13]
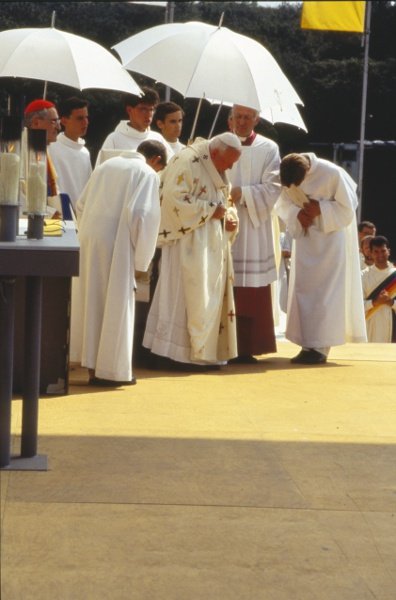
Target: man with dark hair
[130, 133]
[365, 228]
[155, 153]
[71, 158]
[325, 306]
[379, 288]
[169, 120]
[117, 239]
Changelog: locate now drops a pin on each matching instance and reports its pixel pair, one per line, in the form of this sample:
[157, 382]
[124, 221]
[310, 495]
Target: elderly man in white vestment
[192, 317]
[325, 304]
[118, 218]
[255, 188]
[379, 289]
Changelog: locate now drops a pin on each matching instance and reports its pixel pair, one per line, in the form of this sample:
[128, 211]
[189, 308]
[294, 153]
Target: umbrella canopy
[288, 113]
[50, 54]
[200, 60]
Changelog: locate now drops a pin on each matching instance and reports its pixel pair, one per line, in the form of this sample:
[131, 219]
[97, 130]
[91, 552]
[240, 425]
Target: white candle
[9, 178]
[37, 189]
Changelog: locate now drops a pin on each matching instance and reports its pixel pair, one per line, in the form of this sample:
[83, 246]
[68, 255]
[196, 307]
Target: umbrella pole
[53, 16]
[195, 121]
[215, 119]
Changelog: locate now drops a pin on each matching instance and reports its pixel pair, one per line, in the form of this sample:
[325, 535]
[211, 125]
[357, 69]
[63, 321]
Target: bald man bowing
[192, 317]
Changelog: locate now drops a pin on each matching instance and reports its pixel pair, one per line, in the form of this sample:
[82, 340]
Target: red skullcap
[38, 105]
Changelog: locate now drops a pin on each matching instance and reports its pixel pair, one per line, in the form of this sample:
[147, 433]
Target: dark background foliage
[325, 68]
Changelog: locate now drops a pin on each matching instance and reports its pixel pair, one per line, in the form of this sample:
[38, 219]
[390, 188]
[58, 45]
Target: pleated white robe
[257, 173]
[325, 302]
[192, 316]
[118, 216]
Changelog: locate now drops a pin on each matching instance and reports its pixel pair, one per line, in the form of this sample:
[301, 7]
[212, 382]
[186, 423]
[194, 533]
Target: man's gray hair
[39, 114]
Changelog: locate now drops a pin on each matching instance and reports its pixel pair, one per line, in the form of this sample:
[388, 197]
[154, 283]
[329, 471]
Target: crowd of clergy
[189, 252]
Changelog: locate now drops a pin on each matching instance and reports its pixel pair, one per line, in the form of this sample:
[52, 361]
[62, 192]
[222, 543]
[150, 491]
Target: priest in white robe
[192, 317]
[379, 289]
[118, 218]
[325, 304]
[255, 188]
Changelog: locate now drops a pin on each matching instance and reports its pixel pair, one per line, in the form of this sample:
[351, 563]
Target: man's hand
[383, 298]
[305, 220]
[312, 208]
[231, 224]
[219, 212]
[236, 194]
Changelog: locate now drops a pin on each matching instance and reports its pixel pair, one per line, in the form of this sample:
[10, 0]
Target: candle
[9, 178]
[37, 189]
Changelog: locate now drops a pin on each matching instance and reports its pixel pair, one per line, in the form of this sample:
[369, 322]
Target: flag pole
[366, 40]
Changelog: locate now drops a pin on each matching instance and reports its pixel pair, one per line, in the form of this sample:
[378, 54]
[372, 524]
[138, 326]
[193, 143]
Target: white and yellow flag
[335, 16]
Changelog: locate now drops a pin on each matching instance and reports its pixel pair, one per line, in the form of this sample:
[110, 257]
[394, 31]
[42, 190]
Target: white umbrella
[288, 113]
[50, 54]
[200, 60]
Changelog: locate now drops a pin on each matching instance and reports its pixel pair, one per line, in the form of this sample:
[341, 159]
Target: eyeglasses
[54, 121]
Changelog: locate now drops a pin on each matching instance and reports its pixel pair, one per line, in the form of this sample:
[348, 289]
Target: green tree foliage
[324, 67]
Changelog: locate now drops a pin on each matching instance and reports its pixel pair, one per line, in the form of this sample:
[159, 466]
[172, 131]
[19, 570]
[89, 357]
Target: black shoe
[309, 357]
[243, 359]
[98, 382]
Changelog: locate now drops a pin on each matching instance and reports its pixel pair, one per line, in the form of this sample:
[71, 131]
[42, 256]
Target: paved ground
[264, 482]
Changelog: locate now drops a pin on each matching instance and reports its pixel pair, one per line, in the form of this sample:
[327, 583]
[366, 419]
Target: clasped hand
[307, 214]
[220, 213]
[383, 298]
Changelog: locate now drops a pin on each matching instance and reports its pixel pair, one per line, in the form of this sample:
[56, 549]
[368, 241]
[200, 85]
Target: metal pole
[53, 16]
[366, 40]
[215, 120]
[7, 315]
[31, 366]
[169, 16]
[195, 121]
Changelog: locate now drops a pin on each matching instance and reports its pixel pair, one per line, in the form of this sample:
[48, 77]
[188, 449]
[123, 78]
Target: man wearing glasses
[42, 114]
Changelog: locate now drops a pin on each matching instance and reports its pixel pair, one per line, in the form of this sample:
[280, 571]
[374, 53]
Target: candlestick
[37, 189]
[9, 178]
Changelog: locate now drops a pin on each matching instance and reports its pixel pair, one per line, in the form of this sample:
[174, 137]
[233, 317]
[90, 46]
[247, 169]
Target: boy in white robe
[325, 304]
[192, 317]
[118, 217]
[379, 288]
[169, 120]
[130, 133]
[71, 159]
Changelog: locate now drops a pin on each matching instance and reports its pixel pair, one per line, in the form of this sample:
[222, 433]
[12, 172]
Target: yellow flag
[335, 16]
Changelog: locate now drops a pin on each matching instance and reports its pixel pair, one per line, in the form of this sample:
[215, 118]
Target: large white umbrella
[288, 113]
[50, 54]
[200, 60]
